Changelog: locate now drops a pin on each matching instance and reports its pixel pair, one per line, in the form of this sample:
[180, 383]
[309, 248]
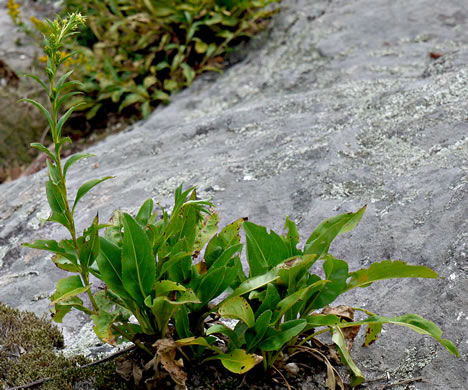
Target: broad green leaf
[264, 251]
[85, 188]
[202, 341]
[227, 255]
[293, 270]
[292, 238]
[338, 338]
[413, 321]
[225, 239]
[237, 361]
[182, 323]
[320, 240]
[388, 269]
[145, 212]
[254, 336]
[254, 283]
[73, 159]
[160, 95]
[109, 262]
[42, 148]
[336, 272]
[275, 339]
[299, 296]
[210, 284]
[114, 230]
[164, 286]
[138, 262]
[67, 288]
[103, 322]
[271, 299]
[237, 308]
[218, 328]
[207, 229]
[162, 311]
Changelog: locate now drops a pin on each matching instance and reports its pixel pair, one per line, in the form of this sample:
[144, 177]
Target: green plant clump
[163, 271]
[136, 53]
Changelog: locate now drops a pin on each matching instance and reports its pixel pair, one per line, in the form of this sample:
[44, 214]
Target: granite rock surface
[338, 104]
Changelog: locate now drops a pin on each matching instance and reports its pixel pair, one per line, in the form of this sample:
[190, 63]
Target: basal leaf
[210, 284]
[208, 227]
[103, 322]
[238, 361]
[292, 238]
[275, 339]
[232, 335]
[88, 245]
[413, 321]
[109, 262]
[138, 262]
[320, 240]
[338, 338]
[299, 296]
[270, 301]
[259, 330]
[165, 286]
[255, 283]
[388, 269]
[336, 272]
[264, 251]
[237, 308]
[145, 212]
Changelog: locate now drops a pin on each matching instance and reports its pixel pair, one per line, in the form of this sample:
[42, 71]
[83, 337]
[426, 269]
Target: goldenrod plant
[163, 270]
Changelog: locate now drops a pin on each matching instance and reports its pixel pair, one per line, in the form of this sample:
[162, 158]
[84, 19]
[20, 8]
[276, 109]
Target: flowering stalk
[59, 91]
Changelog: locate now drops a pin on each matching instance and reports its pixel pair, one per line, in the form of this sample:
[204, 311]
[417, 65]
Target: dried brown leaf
[165, 354]
[346, 313]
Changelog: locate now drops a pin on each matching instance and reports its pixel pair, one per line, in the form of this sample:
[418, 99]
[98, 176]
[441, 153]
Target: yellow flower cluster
[41, 26]
[14, 12]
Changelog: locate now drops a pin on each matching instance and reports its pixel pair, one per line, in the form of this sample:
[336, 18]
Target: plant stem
[313, 335]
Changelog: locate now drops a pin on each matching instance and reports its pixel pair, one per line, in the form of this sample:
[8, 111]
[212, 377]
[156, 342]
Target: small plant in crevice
[173, 279]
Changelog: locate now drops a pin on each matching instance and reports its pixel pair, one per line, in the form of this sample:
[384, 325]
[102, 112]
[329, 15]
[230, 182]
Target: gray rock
[338, 104]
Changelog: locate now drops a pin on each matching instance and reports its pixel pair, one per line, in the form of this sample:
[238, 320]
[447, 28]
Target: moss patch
[28, 346]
